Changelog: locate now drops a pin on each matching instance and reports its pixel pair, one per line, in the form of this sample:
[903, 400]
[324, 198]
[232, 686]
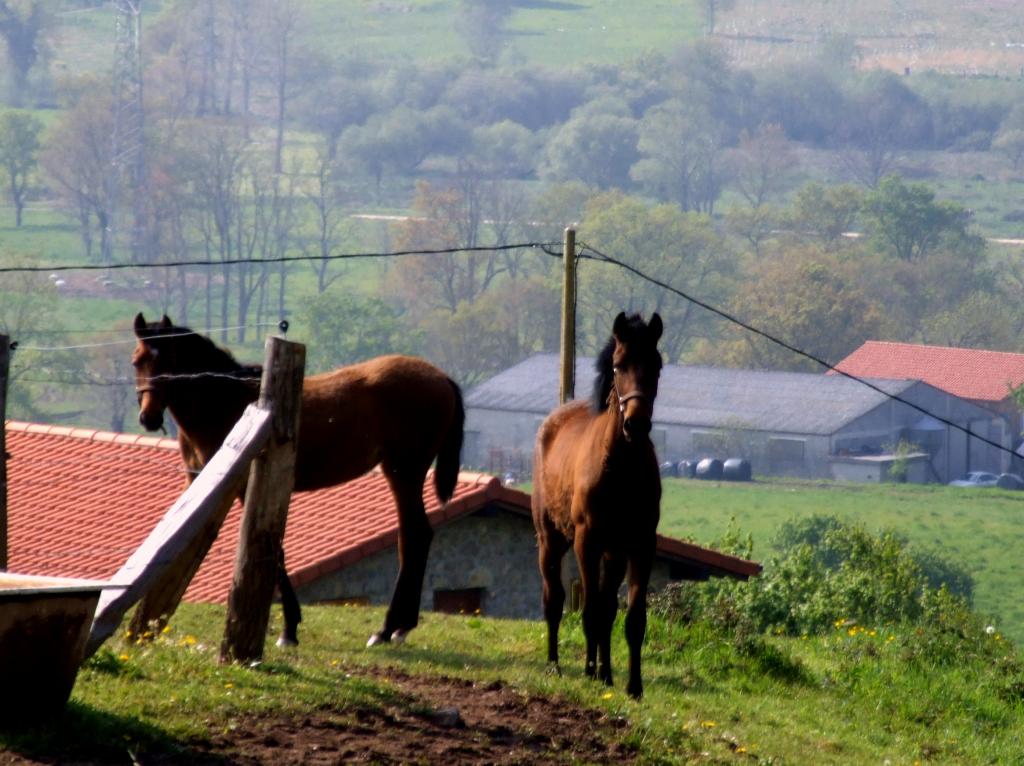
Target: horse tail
[449, 457]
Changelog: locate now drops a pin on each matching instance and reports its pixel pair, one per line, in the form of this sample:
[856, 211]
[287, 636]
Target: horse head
[629, 368]
[152, 361]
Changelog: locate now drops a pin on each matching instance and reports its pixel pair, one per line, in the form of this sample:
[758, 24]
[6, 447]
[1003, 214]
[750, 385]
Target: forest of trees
[259, 145]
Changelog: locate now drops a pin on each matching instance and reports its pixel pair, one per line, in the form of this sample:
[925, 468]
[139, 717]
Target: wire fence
[583, 251]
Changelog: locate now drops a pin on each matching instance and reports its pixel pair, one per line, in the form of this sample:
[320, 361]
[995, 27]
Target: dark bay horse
[597, 489]
[399, 412]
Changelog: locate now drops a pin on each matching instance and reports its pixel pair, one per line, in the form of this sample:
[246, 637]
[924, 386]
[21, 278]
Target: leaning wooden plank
[218, 482]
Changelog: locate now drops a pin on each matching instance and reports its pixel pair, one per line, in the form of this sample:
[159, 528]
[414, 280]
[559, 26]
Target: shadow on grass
[82, 734]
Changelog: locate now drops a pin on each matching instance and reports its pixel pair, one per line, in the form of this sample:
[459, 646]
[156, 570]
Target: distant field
[964, 38]
[981, 529]
[541, 34]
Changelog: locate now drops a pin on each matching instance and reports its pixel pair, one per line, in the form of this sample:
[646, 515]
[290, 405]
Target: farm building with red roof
[985, 378]
[81, 501]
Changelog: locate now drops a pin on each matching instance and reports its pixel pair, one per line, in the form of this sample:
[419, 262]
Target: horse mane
[603, 364]
[203, 354]
[603, 381]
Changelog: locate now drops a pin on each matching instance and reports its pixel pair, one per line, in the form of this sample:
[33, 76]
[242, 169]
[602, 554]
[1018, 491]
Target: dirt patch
[432, 720]
[442, 720]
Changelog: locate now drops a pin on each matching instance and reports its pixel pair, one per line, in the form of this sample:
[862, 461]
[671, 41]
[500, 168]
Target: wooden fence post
[567, 379]
[266, 506]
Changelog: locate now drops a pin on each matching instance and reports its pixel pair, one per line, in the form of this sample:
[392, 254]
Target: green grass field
[851, 697]
[983, 530]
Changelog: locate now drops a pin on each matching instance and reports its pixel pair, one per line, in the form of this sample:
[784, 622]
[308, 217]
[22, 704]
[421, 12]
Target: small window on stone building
[461, 601]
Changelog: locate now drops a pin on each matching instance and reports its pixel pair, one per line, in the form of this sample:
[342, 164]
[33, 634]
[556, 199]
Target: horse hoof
[399, 636]
[376, 638]
[287, 641]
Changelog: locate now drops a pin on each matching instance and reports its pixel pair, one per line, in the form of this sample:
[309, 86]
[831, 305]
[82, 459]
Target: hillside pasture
[472, 690]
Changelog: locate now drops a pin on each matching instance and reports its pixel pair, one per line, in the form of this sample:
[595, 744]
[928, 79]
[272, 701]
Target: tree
[77, 158]
[711, 10]
[449, 218]
[679, 248]
[327, 217]
[505, 149]
[482, 24]
[884, 119]
[19, 144]
[906, 219]
[242, 217]
[344, 327]
[21, 25]
[452, 298]
[1010, 143]
[762, 164]
[400, 140]
[825, 213]
[680, 148]
[597, 146]
[755, 225]
[807, 298]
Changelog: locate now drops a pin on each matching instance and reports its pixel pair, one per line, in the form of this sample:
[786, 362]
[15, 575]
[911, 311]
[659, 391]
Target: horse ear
[140, 325]
[655, 326]
[166, 323]
[619, 327]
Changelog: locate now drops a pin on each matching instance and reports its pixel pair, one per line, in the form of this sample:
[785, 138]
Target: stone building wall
[494, 550]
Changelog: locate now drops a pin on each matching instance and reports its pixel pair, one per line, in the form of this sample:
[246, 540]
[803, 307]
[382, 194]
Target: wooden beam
[187, 521]
[268, 494]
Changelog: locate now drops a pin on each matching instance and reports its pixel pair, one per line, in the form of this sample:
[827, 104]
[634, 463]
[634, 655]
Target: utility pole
[567, 380]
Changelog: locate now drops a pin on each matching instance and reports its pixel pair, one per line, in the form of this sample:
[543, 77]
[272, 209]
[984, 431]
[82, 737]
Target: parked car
[976, 479]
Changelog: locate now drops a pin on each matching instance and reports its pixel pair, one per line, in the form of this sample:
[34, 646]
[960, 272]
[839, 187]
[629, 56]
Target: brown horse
[596, 488]
[399, 412]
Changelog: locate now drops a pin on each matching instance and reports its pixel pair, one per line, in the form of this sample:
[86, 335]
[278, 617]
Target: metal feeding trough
[44, 624]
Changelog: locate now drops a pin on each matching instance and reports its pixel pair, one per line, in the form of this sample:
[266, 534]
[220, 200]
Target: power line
[275, 259]
[600, 257]
[133, 340]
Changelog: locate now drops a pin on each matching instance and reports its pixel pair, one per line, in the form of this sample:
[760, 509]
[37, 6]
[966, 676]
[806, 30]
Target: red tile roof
[964, 372]
[81, 501]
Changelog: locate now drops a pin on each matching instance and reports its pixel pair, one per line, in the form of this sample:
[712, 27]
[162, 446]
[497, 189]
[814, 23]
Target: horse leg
[414, 536]
[552, 549]
[289, 606]
[611, 579]
[588, 557]
[636, 616]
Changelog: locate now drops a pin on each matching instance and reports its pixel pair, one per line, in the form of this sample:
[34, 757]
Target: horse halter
[627, 397]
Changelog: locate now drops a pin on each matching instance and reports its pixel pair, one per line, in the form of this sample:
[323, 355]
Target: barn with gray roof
[785, 423]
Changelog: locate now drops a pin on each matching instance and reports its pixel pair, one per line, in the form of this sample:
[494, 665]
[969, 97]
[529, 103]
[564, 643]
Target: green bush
[834, 573]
